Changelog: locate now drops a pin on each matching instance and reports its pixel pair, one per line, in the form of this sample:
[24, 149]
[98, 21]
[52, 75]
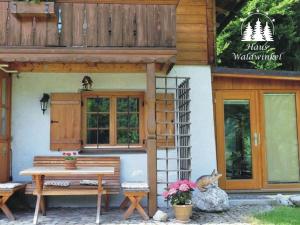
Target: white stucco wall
[31, 129]
[202, 118]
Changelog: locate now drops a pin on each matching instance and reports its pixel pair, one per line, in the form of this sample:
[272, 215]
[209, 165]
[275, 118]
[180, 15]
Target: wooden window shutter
[65, 128]
[165, 118]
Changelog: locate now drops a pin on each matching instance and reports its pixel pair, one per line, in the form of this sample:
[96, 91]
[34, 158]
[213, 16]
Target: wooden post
[151, 138]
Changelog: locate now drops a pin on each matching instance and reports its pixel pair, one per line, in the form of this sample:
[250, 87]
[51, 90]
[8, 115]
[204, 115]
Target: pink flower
[174, 185]
[184, 187]
[172, 191]
[165, 194]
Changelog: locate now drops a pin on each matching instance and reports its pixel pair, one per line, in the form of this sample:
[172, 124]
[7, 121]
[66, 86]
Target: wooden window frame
[113, 146]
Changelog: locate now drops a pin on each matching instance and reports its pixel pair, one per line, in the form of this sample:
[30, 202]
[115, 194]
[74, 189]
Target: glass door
[281, 138]
[238, 139]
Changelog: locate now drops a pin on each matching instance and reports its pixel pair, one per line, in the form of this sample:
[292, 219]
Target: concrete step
[253, 199]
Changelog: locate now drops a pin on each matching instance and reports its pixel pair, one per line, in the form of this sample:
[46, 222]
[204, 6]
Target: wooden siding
[92, 25]
[195, 32]
[233, 83]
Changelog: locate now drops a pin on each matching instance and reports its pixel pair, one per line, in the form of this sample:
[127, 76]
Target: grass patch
[278, 216]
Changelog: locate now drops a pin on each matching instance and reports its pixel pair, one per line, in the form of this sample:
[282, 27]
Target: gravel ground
[238, 215]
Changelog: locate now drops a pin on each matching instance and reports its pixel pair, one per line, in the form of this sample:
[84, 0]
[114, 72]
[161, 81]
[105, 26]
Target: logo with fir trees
[258, 27]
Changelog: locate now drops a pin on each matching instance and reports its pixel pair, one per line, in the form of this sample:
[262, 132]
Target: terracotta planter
[183, 212]
[70, 164]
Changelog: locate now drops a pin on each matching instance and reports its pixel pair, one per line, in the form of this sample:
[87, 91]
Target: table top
[58, 171]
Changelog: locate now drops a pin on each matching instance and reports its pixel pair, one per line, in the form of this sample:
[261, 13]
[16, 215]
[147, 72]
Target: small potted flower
[70, 160]
[180, 195]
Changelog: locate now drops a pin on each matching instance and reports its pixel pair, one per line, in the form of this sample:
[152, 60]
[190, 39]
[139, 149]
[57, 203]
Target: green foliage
[286, 39]
[181, 198]
[278, 216]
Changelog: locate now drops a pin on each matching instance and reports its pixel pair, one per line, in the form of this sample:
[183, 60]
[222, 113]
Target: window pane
[134, 104]
[103, 120]
[91, 137]
[98, 104]
[281, 137]
[92, 120]
[128, 137]
[123, 119]
[238, 151]
[124, 103]
[103, 136]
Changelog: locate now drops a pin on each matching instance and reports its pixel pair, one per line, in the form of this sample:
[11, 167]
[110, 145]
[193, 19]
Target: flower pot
[70, 164]
[183, 212]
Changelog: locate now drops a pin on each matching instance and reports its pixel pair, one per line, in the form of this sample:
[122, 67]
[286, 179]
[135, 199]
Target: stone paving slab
[238, 215]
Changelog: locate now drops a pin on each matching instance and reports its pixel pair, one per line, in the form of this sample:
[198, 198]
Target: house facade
[154, 100]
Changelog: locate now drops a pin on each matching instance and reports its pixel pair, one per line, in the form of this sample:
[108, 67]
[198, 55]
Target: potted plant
[70, 160]
[180, 195]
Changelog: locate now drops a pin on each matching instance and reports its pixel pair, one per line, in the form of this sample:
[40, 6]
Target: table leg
[37, 209]
[39, 183]
[100, 189]
[5, 209]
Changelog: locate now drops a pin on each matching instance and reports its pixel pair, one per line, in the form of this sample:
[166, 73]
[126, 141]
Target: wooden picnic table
[38, 174]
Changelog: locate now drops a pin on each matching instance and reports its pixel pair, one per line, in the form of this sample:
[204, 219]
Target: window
[113, 120]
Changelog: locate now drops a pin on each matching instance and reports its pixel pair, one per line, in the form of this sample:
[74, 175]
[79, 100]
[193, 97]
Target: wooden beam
[257, 76]
[85, 67]
[91, 55]
[151, 138]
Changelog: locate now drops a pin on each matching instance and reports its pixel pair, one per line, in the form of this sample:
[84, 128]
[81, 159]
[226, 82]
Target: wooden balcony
[87, 25]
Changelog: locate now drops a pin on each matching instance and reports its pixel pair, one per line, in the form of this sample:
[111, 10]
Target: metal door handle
[54, 121]
[256, 137]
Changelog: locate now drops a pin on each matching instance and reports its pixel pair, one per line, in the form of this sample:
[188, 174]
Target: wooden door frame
[254, 183]
[264, 161]
[7, 139]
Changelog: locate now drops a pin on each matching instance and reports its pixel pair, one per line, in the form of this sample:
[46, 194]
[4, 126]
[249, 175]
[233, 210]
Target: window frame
[113, 120]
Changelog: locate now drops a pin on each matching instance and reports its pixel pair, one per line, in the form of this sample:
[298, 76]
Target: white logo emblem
[263, 29]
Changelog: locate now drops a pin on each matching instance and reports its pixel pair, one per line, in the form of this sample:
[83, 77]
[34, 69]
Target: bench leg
[135, 204]
[4, 208]
[130, 210]
[7, 212]
[125, 202]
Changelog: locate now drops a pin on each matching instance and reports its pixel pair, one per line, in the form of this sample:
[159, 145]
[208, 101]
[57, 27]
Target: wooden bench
[111, 183]
[5, 194]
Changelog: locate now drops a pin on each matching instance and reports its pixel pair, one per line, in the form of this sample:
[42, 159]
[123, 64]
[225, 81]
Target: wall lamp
[44, 102]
